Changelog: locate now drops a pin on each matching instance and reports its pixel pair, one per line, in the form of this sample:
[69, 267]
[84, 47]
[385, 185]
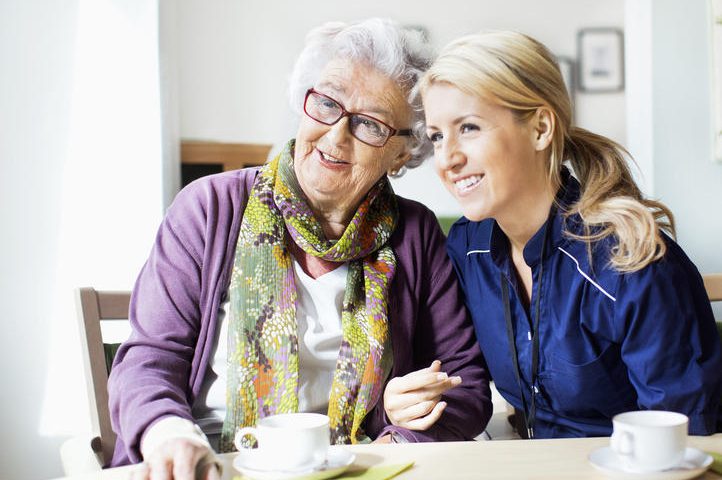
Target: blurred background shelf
[201, 158]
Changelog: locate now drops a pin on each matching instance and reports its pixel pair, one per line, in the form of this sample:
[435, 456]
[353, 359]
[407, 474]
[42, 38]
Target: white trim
[476, 251]
[587, 276]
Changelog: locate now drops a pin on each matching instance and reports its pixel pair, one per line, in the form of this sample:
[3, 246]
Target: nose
[450, 156]
[339, 133]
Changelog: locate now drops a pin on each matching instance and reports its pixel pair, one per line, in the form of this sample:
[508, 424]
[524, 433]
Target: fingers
[178, 459]
[160, 468]
[419, 410]
[399, 398]
[423, 423]
[434, 367]
[210, 472]
[418, 380]
[186, 459]
[414, 400]
[421, 379]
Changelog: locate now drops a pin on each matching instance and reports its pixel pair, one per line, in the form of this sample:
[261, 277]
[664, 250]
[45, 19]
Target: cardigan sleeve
[670, 343]
[172, 309]
[150, 375]
[444, 331]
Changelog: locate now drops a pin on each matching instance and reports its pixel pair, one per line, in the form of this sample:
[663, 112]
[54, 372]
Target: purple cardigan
[159, 370]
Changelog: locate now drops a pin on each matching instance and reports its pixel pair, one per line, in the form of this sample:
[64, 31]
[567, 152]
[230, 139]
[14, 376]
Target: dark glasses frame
[345, 113]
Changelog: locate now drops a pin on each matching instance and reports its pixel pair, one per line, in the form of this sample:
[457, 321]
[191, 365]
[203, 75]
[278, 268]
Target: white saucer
[694, 464]
[337, 461]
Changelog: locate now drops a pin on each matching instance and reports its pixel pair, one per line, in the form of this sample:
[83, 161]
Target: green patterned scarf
[263, 332]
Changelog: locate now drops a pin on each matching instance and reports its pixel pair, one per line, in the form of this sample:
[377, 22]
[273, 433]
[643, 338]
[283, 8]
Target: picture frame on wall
[600, 60]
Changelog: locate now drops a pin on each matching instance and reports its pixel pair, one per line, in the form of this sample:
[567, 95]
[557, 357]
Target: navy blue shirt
[609, 341]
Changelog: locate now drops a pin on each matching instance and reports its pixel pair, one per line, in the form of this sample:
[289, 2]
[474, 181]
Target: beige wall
[686, 175]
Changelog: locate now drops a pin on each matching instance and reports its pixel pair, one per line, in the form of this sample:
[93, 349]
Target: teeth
[468, 182]
[331, 159]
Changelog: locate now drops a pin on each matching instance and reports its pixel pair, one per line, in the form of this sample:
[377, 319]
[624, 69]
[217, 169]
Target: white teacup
[649, 440]
[287, 441]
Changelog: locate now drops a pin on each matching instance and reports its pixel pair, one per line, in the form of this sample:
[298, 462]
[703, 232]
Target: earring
[398, 172]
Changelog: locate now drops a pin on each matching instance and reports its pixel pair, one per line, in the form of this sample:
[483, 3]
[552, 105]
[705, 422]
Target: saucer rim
[618, 469]
[344, 457]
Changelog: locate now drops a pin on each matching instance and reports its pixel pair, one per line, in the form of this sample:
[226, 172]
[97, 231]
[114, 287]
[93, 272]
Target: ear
[543, 124]
[403, 156]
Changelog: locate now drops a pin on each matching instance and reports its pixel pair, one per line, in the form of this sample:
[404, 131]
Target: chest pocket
[590, 389]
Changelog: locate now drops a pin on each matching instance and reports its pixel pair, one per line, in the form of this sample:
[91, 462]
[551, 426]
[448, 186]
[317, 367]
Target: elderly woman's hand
[414, 400]
[179, 459]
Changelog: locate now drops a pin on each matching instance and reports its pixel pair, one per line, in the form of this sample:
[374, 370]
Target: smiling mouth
[332, 160]
[468, 183]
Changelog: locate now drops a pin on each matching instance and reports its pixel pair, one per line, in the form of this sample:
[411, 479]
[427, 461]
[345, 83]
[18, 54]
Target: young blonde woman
[584, 306]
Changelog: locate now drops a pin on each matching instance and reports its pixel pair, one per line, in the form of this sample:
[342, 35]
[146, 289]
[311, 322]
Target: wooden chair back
[94, 306]
[713, 285]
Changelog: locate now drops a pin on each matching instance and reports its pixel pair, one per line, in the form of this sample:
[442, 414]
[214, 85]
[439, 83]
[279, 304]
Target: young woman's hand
[414, 400]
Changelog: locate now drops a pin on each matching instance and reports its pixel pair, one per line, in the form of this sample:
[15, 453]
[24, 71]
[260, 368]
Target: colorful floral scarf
[263, 332]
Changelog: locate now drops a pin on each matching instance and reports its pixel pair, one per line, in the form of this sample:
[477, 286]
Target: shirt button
[528, 336]
[536, 390]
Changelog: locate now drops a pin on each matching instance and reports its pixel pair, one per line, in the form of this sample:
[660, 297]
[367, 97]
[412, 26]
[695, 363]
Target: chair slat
[94, 306]
[713, 285]
[113, 305]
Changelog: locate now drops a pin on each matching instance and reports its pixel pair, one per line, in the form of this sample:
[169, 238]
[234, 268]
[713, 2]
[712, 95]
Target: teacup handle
[622, 443]
[238, 439]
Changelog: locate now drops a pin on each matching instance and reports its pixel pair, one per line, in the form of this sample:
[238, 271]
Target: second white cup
[649, 440]
[288, 441]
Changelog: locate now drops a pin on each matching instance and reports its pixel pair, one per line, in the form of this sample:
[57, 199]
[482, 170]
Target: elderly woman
[584, 305]
[306, 284]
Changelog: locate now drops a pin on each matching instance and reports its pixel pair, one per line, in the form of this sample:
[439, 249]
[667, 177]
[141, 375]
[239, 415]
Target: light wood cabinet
[199, 158]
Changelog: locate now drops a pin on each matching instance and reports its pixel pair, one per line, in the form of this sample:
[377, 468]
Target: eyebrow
[457, 120]
[333, 86]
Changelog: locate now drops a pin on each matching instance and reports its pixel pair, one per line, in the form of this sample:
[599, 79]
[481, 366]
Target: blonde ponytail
[611, 202]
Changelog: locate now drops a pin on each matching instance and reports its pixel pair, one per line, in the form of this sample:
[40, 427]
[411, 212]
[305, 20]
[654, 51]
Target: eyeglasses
[365, 128]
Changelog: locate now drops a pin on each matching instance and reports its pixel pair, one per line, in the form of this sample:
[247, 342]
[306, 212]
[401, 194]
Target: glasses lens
[369, 130]
[323, 109]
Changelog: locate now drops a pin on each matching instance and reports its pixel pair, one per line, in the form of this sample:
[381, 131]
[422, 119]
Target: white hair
[400, 54]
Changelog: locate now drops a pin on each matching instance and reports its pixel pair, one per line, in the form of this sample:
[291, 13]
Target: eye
[468, 127]
[326, 104]
[435, 137]
[368, 126]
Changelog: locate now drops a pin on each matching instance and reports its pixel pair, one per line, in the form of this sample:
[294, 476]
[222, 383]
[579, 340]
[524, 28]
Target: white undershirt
[318, 312]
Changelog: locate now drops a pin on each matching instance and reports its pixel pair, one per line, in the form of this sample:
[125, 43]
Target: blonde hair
[517, 72]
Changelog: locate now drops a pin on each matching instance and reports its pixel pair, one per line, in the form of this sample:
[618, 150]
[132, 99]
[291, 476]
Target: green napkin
[382, 472]
[716, 463]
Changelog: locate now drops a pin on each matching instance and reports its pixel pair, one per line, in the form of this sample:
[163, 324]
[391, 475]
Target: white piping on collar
[476, 251]
[587, 276]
